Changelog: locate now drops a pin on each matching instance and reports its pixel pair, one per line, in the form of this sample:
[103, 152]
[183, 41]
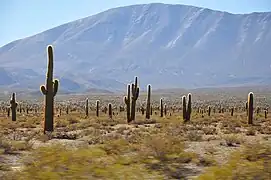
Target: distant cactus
[8, 111]
[142, 110]
[220, 109]
[184, 107]
[265, 114]
[49, 90]
[165, 110]
[135, 94]
[161, 108]
[67, 109]
[86, 107]
[110, 110]
[13, 106]
[189, 107]
[232, 110]
[250, 108]
[105, 110]
[209, 111]
[131, 106]
[127, 101]
[97, 108]
[148, 108]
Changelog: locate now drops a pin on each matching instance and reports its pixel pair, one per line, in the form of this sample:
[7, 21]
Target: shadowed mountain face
[168, 46]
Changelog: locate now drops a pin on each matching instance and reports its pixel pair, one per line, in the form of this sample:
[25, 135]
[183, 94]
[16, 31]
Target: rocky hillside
[169, 46]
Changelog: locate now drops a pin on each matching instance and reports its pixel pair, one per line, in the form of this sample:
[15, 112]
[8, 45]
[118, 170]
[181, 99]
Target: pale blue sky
[22, 18]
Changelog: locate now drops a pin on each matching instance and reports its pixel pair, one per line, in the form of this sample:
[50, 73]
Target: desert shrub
[73, 120]
[164, 147]
[194, 136]
[61, 162]
[61, 123]
[252, 162]
[251, 132]
[206, 161]
[118, 146]
[209, 130]
[232, 140]
[9, 147]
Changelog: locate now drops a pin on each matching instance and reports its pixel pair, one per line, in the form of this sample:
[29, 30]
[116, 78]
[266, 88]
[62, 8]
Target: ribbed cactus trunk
[189, 107]
[184, 107]
[97, 108]
[161, 108]
[49, 90]
[127, 101]
[135, 94]
[86, 110]
[165, 110]
[110, 110]
[250, 108]
[13, 106]
[148, 108]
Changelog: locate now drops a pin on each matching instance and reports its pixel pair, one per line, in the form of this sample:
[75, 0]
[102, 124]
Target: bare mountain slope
[169, 46]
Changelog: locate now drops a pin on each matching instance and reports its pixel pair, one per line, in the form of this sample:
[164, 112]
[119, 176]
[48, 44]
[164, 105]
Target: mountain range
[168, 46]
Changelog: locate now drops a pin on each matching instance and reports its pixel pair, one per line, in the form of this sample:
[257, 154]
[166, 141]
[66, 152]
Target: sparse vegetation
[144, 137]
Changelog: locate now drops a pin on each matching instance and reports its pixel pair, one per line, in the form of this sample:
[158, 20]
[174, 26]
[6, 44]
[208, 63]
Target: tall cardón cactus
[86, 107]
[184, 107]
[131, 106]
[97, 108]
[110, 110]
[13, 106]
[148, 108]
[135, 94]
[250, 108]
[165, 109]
[189, 107]
[161, 108]
[127, 101]
[49, 90]
[67, 109]
[209, 110]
